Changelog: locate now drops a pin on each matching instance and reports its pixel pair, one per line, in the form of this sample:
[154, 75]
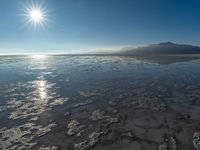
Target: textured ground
[98, 102]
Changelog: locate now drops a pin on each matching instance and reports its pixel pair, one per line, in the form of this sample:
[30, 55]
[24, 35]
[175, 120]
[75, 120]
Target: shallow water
[98, 102]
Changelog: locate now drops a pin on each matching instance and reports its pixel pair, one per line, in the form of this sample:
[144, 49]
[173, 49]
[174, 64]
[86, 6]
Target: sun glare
[36, 14]
[38, 56]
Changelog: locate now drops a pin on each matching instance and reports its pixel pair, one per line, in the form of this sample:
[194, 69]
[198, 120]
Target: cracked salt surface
[21, 137]
[74, 127]
[80, 103]
[41, 99]
[34, 104]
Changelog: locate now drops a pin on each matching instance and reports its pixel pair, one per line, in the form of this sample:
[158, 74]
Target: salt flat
[99, 102]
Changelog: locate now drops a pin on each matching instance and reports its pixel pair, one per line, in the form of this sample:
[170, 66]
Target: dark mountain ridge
[166, 48]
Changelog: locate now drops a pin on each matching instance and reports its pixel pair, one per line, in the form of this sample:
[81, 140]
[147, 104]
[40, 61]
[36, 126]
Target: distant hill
[167, 48]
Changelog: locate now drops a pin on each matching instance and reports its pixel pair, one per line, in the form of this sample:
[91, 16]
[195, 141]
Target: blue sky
[80, 25]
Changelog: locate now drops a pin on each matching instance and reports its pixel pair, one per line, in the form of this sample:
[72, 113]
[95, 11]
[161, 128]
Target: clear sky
[80, 25]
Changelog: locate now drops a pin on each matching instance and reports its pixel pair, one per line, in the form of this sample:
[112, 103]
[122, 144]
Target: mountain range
[165, 48]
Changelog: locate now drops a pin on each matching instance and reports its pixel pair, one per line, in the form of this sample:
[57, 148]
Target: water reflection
[115, 85]
[35, 98]
[38, 56]
[41, 85]
[42, 91]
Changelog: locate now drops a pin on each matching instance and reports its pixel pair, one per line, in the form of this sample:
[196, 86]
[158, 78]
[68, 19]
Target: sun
[36, 14]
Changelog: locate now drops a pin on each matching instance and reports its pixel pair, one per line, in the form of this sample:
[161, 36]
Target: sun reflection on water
[38, 56]
[42, 91]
